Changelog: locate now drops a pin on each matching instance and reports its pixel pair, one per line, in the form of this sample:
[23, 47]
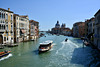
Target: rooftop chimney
[8, 9]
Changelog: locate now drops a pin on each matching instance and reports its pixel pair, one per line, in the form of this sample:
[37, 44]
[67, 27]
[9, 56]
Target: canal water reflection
[63, 54]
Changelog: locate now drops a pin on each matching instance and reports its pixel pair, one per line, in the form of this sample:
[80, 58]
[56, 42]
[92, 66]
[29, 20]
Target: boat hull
[45, 50]
[4, 54]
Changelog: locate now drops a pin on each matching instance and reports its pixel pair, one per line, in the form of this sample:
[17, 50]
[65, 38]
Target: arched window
[0, 14]
[11, 17]
[1, 26]
[4, 15]
[4, 26]
[11, 27]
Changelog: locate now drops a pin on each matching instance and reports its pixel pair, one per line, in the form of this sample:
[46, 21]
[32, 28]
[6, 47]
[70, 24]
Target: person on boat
[66, 39]
[5, 51]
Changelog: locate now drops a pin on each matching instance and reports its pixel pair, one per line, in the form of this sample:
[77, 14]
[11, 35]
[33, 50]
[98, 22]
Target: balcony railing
[2, 30]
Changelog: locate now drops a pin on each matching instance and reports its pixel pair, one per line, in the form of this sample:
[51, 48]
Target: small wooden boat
[4, 53]
[66, 39]
[45, 46]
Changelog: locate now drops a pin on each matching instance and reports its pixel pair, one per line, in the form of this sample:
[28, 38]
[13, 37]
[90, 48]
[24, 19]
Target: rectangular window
[11, 38]
[6, 16]
[7, 38]
[4, 38]
[0, 15]
[7, 27]
[11, 17]
[11, 27]
[17, 18]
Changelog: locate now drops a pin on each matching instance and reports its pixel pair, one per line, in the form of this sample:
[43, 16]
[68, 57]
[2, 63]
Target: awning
[23, 31]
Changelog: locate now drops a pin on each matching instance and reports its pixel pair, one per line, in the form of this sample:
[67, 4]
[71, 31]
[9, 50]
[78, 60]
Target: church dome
[57, 25]
[63, 26]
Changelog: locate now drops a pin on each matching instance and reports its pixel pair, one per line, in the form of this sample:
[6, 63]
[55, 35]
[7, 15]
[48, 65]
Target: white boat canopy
[46, 42]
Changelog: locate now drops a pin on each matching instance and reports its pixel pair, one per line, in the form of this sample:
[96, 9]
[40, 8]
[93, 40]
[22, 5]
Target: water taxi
[4, 53]
[45, 46]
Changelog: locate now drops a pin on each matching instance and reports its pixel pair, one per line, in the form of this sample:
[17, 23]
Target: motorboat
[4, 53]
[66, 39]
[45, 46]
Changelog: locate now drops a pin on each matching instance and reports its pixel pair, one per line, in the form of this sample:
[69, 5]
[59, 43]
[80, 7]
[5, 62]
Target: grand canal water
[63, 54]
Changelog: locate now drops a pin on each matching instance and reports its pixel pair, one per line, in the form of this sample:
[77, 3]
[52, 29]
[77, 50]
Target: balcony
[2, 30]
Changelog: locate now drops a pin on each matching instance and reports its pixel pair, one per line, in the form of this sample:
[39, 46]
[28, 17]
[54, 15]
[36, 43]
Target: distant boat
[1, 46]
[45, 46]
[66, 39]
[44, 36]
[12, 45]
[4, 53]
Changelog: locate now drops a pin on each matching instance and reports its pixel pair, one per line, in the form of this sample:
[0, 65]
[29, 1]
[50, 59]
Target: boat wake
[70, 43]
[54, 44]
[51, 49]
[3, 58]
[60, 48]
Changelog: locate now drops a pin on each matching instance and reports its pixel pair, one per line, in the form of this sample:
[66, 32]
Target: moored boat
[1, 46]
[12, 45]
[4, 53]
[45, 46]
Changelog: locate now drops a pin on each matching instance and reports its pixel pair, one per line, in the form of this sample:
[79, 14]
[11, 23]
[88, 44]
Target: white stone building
[6, 26]
[21, 28]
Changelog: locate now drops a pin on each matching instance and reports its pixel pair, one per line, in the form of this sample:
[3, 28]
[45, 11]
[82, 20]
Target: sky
[47, 12]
